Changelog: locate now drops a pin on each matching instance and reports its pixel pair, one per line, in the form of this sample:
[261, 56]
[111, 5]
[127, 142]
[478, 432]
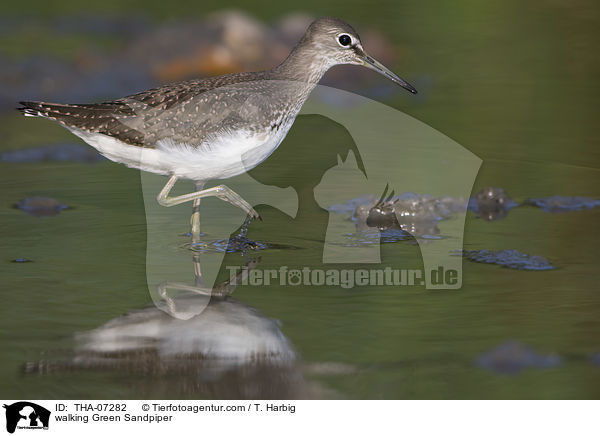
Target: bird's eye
[344, 40]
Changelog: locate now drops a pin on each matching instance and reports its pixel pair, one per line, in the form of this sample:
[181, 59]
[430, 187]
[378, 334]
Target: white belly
[227, 155]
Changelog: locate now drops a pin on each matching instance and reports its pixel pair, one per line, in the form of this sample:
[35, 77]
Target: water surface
[516, 85]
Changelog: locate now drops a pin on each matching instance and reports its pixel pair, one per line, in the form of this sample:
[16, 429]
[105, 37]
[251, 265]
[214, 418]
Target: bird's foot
[240, 242]
[253, 214]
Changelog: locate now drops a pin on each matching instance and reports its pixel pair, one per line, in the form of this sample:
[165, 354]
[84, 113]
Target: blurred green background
[514, 82]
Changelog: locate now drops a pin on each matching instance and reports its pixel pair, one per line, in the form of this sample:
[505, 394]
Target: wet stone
[507, 258]
[412, 214]
[491, 203]
[41, 206]
[382, 216]
[238, 244]
[350, 206]
[559, 203]
[512, 357]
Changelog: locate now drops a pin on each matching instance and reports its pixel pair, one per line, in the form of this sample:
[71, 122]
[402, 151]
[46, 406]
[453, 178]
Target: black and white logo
[26, 415]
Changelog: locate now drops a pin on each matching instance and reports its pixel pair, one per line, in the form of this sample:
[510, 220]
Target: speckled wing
[186, 113]
[118, 118]
[253, 108]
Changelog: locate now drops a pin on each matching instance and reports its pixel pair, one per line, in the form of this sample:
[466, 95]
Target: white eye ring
[344, 40]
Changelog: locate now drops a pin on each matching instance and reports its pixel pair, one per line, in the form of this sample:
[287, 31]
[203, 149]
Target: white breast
[225, 155]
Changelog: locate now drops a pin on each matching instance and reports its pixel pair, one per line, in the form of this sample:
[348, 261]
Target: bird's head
[337, 42]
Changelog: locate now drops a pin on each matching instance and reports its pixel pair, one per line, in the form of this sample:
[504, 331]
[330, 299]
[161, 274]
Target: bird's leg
[195, 220]
[220, 191]
[198, 281]
[221, 290]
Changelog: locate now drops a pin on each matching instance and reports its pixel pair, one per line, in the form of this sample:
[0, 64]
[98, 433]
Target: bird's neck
[305, 63]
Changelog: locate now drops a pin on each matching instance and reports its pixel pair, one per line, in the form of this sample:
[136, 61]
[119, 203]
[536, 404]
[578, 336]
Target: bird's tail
[47, 110]
[96, 117]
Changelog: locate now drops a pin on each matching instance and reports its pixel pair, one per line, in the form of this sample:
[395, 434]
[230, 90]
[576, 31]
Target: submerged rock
[372, 236]
[412, 213]
[507, 258]
[350, 206]
[418, 215]
[491, 203]
[559, 203]
[494, 203]
[53, 153]
[41, 206]
[512, 357]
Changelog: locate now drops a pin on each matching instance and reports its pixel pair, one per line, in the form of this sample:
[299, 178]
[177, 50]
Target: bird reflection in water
[227, 351]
